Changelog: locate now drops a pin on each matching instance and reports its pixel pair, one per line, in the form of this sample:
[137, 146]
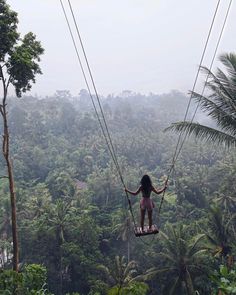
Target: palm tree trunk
[6, 154]
[60, 250]
[119, 290]
[189, 283]
[128, 250]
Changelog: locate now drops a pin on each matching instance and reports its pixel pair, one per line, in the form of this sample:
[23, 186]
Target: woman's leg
[150, 218]
[142, 213]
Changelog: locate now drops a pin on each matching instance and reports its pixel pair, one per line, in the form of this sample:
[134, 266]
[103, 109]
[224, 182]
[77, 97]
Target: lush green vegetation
[72, 211]
[74, 229]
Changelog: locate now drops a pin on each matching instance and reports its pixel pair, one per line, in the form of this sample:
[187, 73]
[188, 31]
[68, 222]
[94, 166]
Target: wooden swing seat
[146, 231]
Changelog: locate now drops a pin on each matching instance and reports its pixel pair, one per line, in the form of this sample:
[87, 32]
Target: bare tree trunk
[6, 154]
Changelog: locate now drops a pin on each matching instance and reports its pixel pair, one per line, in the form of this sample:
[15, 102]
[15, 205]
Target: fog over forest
[118, 194]
[72, 211]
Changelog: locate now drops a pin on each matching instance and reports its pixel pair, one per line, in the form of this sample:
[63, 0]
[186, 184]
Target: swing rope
[178, 151]
[102, 121]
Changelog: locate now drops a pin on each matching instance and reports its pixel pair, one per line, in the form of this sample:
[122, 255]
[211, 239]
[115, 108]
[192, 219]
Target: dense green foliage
[225, 280]
[72, 211]
[19, 57]
[31, 281]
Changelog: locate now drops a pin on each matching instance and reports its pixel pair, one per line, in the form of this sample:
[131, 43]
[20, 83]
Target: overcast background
[139, 45]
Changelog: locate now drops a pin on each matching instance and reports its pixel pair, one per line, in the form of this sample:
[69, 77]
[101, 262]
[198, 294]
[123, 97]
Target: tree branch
[4, 65]
[1, 109]
[4, 86]
[4, 145]
[8, 82]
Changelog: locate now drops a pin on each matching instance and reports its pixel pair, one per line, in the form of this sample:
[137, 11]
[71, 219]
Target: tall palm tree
[219, 104]
[59, 219]
[184, 259]
[123, 228]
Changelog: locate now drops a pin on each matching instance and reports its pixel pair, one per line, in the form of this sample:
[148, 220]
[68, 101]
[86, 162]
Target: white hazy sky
[141, 45]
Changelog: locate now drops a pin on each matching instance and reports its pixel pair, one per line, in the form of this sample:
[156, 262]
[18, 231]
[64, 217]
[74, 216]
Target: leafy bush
[133, 289]
[31, 281]
[10, 282]
[225, 281]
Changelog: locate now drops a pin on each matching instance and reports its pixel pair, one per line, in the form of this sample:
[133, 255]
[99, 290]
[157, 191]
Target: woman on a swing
[146, 202]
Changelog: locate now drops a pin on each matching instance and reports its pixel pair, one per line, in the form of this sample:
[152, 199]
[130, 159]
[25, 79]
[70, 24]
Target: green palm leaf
[174, 285]
[224, 113]
[220, 105]
[193, 249]
[204, 132]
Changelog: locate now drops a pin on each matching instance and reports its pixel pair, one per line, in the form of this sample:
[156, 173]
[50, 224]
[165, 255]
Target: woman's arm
[159, 191]
[133, 193]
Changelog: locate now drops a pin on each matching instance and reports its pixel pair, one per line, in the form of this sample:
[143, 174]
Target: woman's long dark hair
[146, 184]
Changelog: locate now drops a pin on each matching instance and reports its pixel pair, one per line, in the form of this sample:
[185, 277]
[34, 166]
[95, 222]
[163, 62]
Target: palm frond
[220, 81]
[224, 85]
[200, 252]
[151, 273]
[174, 285]
[223, 98]
[229, 223]
[193, 247]
[223, 114]
[203, 132]
[167, 256]
[170, 243]
[229, 61]
[217, 79]
[226, 82]
[212, 240]
[130, 269]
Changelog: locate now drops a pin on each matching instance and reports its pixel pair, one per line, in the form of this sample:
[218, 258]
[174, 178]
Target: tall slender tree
[19, 59]
[123, 228]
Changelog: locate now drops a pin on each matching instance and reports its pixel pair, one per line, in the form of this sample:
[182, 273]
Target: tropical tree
[123, 228]
[59, 220]
[31, 280]
[5, 233]
[227, 202]
[183, 260]
[121, 275]
[220, 232]
[18, 67]
[219, 104]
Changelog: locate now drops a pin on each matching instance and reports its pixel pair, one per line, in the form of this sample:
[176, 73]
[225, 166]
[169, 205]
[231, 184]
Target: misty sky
[139, 45]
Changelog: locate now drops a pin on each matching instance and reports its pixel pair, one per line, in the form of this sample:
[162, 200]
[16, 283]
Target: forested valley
[75, 231]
